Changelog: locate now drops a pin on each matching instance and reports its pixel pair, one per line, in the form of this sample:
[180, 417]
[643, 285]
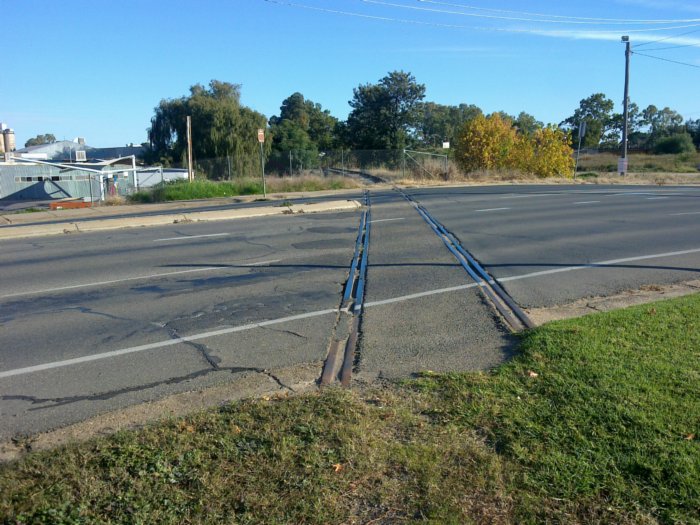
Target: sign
[261, 136]
[445, 145]
[622, 165]
[582, 129]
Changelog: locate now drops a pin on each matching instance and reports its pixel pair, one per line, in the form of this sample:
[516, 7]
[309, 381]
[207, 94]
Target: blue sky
[97, 69]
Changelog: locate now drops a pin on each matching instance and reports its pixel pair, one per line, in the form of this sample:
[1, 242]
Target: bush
[679, 143]
[492, 143]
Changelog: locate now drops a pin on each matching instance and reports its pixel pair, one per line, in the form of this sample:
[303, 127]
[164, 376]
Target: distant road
[96, 322]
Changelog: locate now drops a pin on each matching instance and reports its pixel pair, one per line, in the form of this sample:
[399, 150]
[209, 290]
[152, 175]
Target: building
[67, 150]
[90, 181]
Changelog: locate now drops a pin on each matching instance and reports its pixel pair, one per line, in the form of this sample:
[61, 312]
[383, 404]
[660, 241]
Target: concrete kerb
[38, 230]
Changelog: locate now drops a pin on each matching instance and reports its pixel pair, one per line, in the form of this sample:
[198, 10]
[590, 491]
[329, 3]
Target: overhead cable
[583, 19]
[459, 13]
[667, 60]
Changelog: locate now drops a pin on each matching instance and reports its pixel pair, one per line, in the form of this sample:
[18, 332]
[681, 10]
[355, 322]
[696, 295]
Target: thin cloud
[665, 5]
[597, 35]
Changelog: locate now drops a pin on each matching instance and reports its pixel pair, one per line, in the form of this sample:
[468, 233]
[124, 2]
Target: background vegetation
[392, 115]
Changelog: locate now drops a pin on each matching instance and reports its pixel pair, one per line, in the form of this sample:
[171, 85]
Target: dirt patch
[281, 382]
[643, 295]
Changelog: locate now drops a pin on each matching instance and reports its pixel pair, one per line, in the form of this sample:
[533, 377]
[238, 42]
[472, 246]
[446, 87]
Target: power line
[446, 12]
[667, 60]
[448, 26]
[667, 38]
[563, 17]
[671, 47]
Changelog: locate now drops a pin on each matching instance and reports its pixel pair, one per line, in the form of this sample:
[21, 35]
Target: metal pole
[228, 159]
[625, 116]
[290, 163]
[190, 172]
[262, 164]
[403, 169]
[342, 160]
[578, 151]
[136, 179]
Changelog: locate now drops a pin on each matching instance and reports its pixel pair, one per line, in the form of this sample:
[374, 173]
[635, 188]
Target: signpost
[261, 140]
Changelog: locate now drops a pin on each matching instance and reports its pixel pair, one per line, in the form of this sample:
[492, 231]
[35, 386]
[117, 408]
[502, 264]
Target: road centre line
[686, 213]
[419, 295]
[188, 237]
[126, 279]
[601, 264]
[171, 342]
[491, 209]
[655, 198]
[160, 344]
[387, 220]
[586, 202]
[526, 196]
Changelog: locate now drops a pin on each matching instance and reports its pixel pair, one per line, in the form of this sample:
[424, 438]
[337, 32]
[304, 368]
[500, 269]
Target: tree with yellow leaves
[492, 143]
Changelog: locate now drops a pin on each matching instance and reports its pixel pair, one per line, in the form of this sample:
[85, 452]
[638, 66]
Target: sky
[98, 68]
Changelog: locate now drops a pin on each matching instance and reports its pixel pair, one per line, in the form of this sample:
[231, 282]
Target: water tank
[9, 136]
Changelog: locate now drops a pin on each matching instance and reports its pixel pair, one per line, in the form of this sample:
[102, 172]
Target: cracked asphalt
[133, 316]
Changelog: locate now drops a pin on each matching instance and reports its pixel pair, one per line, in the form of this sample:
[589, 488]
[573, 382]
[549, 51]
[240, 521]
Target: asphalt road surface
[95, 322]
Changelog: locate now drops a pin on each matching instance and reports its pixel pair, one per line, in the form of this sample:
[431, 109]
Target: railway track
[343, 347]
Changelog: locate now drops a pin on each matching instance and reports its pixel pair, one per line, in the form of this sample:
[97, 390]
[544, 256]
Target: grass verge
[206, 189]
[595, 421]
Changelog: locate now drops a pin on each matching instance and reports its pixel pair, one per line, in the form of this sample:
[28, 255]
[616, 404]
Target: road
[96, 322]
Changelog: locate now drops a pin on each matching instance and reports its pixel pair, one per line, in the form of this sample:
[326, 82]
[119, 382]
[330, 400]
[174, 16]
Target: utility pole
[261, 140]
[625, 116]
[190, 171]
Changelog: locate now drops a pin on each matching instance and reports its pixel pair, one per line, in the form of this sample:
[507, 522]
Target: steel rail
[504, 303]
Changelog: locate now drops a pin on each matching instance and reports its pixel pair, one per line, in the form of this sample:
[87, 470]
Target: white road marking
[586, 202]
[601, 264]
[387, 220]
[655, 198]
[161, 344]
[126, 279]
[419, 295]
[188, 237]
[215, 333]
[686, 213]
[527, 196]
[492, 209]
[262, 263]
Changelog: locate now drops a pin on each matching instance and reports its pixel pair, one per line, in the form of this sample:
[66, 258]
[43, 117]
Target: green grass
[595, 421]
[206, 189]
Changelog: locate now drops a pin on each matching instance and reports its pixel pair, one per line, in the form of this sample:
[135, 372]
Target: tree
[487, 143]
[438, 123]
[527, 124]
[613, 136]
[302, 130]
[384, 115]
[661, 123]
[596, 112]
[493, 143]
[221, 129]
[48, 138]
[692, 127]
[552, 155]
[318, 124]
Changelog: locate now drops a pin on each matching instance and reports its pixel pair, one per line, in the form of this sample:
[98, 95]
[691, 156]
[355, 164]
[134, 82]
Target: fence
[24, 179]
[398, 163]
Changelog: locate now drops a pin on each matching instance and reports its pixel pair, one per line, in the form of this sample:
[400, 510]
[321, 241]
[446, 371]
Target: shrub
[492, 143]
[679, 143]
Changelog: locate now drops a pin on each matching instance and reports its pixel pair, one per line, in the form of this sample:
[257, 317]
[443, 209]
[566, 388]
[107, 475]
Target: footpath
[34, 224]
